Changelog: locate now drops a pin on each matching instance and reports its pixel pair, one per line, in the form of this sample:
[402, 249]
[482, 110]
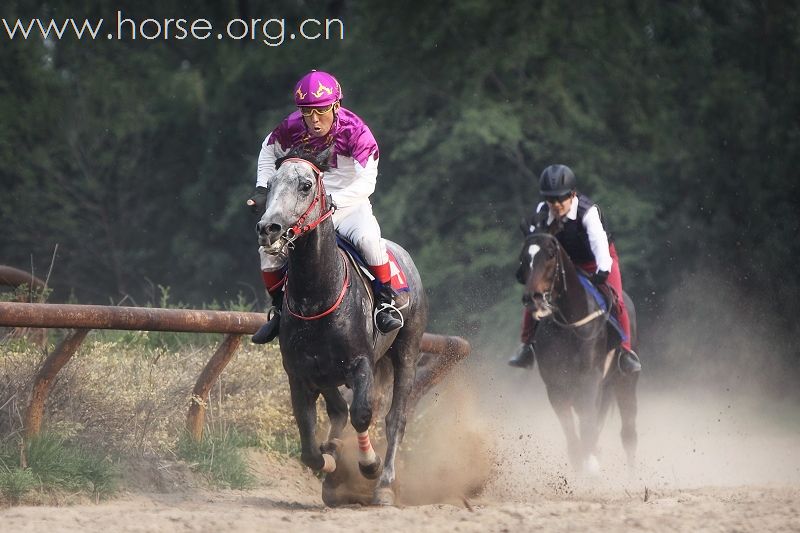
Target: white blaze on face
[533, 249]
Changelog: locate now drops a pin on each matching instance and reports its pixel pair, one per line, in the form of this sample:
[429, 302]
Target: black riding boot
[269, 331]
[525, 354]
[629, 362]
[523, 357]
[386, 319]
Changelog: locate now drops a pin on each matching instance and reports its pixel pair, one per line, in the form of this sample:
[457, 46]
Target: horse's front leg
[304, 407]
[587, 406]
[404, 372]
[361, 378]
[562, 405]
[336, 408]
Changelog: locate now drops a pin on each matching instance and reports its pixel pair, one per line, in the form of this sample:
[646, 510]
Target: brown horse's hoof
[383, 496]
[372, 470]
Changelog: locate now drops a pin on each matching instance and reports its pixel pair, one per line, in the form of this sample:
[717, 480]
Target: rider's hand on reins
[598, 278]
[258, 201]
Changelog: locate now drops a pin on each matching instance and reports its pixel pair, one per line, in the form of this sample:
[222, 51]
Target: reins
[301, 228]
[558, 316]
[335, 305]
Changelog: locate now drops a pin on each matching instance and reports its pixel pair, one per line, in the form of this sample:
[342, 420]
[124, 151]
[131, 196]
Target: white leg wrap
[330, 463]
[366, 454]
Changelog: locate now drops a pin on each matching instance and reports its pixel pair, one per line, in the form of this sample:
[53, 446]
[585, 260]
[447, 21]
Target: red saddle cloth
[399, 282]
[398, 279]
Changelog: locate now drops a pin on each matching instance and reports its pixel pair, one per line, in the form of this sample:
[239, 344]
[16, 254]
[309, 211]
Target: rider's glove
[599, 278]
[259, 200]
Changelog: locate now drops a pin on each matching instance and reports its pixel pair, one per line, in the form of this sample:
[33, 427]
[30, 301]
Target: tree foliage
[679, 118]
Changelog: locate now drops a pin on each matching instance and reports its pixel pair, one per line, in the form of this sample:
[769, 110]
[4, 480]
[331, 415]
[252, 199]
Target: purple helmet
[317, 88]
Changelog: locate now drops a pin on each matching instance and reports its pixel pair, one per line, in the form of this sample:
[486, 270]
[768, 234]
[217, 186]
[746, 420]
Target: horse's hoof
[591, 466]
[383, 496]
[328, 463]
[331, 497]
[332, 447]
[372, 470]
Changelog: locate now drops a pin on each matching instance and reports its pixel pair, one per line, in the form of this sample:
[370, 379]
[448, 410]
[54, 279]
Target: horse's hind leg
[304, 406]
[432, 368]
[626, 399]
[404, 363]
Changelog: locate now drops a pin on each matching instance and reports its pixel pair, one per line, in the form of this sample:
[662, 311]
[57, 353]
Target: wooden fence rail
[234, 324]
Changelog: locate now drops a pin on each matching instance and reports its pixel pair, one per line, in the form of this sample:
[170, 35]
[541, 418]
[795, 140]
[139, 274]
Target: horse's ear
[525, 227]
[556, 227]
[322, 159]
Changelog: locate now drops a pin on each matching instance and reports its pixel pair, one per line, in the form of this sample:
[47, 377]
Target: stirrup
[388, 308]
[634, 362]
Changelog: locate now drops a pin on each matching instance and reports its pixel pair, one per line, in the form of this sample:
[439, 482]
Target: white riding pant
[357, 223]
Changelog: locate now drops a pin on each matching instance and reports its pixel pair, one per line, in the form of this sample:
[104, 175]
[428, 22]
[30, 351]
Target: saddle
[606, 298]
[399, 281]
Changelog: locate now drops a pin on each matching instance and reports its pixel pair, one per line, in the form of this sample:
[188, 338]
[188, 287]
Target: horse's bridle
[559, 270]
[300, 227]
[558, 317]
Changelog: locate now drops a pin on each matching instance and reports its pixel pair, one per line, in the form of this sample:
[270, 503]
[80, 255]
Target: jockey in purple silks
[319, 123]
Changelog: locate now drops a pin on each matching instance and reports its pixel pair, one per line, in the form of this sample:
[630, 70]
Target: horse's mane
[541, 231]
[320, 160]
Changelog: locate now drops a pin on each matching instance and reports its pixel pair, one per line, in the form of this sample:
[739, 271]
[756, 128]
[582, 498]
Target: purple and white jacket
[354, 160]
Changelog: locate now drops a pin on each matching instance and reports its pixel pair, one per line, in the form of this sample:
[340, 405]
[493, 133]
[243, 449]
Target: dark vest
[573, 236]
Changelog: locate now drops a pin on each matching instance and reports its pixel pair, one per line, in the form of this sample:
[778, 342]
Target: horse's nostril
[275, 228]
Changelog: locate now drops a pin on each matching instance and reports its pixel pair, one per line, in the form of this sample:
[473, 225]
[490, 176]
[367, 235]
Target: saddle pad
[398, 280]
[601, 301]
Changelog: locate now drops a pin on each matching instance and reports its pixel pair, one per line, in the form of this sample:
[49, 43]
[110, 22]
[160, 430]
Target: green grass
[284, 445]
[16, 483]
[54, 464]
[219, 456]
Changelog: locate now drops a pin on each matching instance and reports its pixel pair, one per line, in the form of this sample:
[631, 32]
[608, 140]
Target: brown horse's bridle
[559, 270]
[558, 317]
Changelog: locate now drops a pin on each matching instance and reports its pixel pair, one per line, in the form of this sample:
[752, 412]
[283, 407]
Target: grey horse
[327, 334]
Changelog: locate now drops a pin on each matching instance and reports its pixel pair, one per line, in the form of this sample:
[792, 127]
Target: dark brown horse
[575, 351]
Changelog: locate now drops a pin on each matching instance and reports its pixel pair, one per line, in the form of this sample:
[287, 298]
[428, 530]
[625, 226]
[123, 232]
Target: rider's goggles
[309, 111]
[558, 199]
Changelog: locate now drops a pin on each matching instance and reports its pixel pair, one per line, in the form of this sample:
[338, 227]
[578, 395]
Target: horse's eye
[305, 186]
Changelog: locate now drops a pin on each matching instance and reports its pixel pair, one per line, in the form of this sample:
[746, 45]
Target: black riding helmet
[557, 180]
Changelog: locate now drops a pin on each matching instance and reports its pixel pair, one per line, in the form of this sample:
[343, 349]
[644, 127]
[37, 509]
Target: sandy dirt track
[706, 463]
[270, 509]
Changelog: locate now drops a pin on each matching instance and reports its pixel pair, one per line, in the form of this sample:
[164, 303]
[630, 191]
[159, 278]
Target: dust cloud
[718, 407]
